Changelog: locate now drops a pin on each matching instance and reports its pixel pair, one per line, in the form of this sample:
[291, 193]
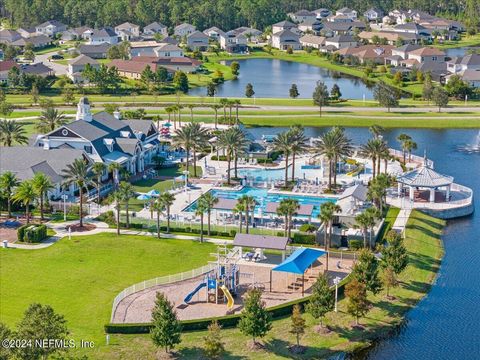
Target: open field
[425, 249]
[80, 277]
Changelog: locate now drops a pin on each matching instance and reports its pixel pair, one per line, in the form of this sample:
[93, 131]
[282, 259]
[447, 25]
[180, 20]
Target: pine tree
[214, 346]
[293, 92]
[385, 95]
[358, 304]
[389, 279]
[395, 254]
[249, 90]
[366, 271]
[255, 321]
[320, 95]
[335, 93]
[298, 323]
[322, 300]
[166, 327]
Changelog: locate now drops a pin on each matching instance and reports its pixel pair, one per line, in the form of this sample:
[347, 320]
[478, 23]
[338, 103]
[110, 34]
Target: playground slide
[229, 297]
[189, 297]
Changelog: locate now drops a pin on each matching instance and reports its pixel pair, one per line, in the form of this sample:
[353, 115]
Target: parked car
[57, 57]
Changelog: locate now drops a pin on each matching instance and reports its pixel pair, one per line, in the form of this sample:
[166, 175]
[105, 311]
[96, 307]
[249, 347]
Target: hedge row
[32, 233]
[187, 229]
[276, 312]
[302, 238]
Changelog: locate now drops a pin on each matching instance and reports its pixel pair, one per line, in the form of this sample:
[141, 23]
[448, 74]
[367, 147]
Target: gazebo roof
[424, 176]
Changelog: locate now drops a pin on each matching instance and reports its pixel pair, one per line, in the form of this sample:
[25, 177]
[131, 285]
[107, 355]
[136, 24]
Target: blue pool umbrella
[167, 124]
[143, 197]
[153, 192]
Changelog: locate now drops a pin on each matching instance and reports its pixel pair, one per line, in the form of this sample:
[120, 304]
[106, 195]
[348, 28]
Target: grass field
[80, 277]
[425, 250]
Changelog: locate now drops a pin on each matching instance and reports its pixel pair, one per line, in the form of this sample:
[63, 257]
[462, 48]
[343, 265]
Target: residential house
[50, 28]
[105, 35]
[426, 54]
[79, 33]
[77, 65]
[155, 28]
[50, 162]
[27, 32]
[467, 62]
[303, 15]
[310, 26]
[143, 48]
[412, 28]
[331, 29]
[252, 35]
[404, 50]
[390, 37]
[214, 33]
[352, 14]
[283, 25]
[38, 69]
[168, 50]
[106, 138]
[233, 43]
[9, 36]
[184, 30]
[133, 68]
[98, 51]
[286, 39]
[322, 13]
[368, 53]
[373, 14]
[127, 31]
[170, 40]
[38, 41]
[437, 69]
[341, 41]
[5, 67]
[312, 41]
[339, 19]
[470, 76]
[197, 41]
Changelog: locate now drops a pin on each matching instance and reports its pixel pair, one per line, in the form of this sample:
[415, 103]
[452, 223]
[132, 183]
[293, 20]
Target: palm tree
[363, 222]
[208, 200]
[199, 136]
[191, 107]
[377, 191]
[283, 143]
[50, 119]
[179, 110]
[41, 184]
[224, 104]
[288, 208]
[115, 169]
[249, 204]
[240, 145]
[97, 169]
[115, 198]
[410, 145]
[325, 146]
[167, 199]
[231, 141]
[201, 209]
[343, 148]
[184, 138]
[298, 145]
[237, 104]
[327, 212]
[8, 181]
[402, 138]
[239, 209]
[159, 207]
[215, 108]
[77, 173]
[25, 194]
[169, 110]
[376, 130]
[12, 131]
[127, 192]
[372, 215]
[374, 149]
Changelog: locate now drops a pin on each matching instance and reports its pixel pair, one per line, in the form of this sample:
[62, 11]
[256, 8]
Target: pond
[461, 51]
[272, 78]
[445, 324]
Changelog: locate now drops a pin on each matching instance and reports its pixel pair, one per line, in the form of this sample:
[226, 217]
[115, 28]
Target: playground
[220, 291]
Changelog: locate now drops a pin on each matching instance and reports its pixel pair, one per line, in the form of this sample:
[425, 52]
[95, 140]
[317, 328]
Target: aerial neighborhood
[208, 180]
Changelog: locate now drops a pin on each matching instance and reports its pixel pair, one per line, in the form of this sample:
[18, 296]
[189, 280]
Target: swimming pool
[263, 197]
[264, 174]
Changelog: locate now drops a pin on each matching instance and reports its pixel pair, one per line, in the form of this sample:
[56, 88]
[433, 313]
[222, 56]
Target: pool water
[263, 197]
[262, 175]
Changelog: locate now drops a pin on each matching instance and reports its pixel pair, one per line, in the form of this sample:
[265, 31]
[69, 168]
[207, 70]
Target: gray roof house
[303, 15]
[233, 43]
[127, 31]
[106, 138]
[95, 51]
[168, 50]
[184, 29]
[38, 41]
[50, 162]
[77, 65]
[50, 28]
[341, 41]
[197, 41]
[373, 14]
[38, 69]
[214, 32]
[105, 35]
[155, 28]
[9, 36]
[26, 32]
[286, 39]
[283, 25]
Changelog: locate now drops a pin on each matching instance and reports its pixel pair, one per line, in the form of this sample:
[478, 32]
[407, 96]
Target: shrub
[107, 217]
[21, 232]
[280, 233]
[307, 228]
[32, 233]
[274, 155]
[264, 161]
[354, 244]
[219, 158]
[232, 233]
[306, 239]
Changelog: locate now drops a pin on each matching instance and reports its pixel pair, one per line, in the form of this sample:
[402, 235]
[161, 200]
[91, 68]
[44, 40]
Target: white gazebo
[424, 177]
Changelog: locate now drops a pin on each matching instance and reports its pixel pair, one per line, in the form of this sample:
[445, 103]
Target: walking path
[401, 220]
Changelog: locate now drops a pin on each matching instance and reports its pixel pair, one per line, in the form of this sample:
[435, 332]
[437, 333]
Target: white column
[432, 195]
[448, 193]
[411, 191]
[399, 189]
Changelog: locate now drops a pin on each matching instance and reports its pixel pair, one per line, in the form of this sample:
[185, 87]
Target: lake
[272, 78]
[462, 51]
[445, 324]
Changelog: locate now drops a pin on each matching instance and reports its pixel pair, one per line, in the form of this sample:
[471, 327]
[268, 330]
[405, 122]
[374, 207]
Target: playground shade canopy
[260, 241]
[299, 261]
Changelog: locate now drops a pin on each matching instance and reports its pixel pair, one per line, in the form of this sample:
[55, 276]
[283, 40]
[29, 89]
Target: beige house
[77, 65]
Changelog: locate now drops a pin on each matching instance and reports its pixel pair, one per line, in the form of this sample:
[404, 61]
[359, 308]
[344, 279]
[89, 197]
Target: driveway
[59, 69]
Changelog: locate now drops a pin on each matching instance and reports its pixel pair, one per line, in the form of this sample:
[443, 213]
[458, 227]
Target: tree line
[203, 14]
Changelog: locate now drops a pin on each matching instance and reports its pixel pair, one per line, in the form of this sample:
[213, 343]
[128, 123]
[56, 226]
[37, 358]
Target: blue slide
[188, 298]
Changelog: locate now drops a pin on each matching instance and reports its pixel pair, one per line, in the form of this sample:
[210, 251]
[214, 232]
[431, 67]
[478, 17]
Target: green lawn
[466, 40]
[80, 277]
[425, 250]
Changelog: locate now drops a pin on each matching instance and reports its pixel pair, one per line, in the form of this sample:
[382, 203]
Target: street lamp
[64, 198]
[336, 281]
